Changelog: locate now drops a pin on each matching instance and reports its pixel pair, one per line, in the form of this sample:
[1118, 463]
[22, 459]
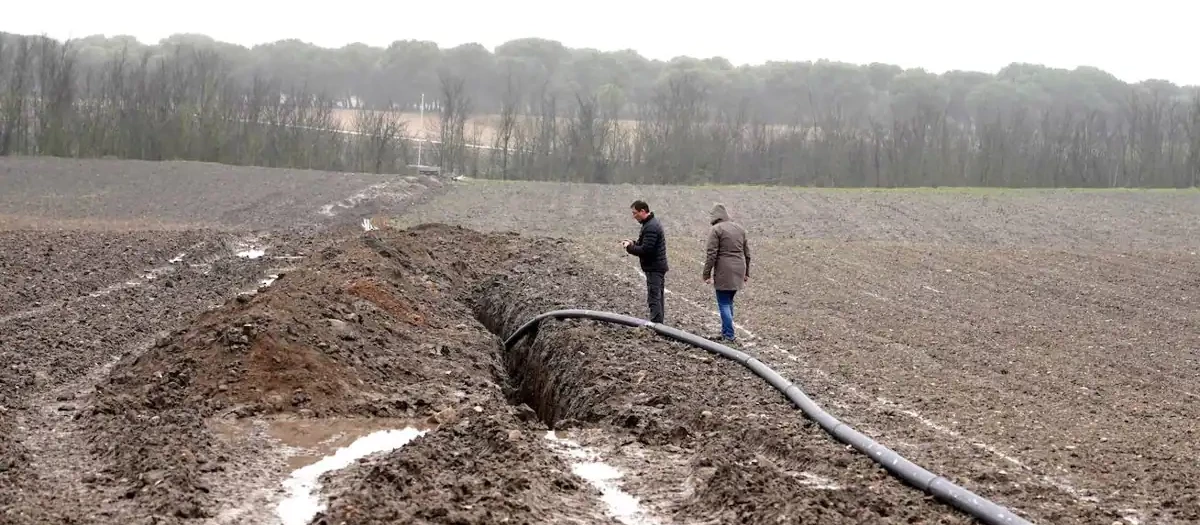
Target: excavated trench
[699, 438]
[543, 373]
[406, 326]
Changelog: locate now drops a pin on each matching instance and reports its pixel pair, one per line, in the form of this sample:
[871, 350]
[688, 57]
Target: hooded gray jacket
[727, 259]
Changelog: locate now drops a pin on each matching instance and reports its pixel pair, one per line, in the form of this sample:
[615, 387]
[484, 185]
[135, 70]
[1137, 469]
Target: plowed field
[186, 342]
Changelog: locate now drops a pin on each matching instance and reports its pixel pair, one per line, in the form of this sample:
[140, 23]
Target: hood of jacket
[718, 213]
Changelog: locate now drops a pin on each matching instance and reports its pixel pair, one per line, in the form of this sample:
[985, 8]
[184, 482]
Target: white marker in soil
[621, 505]
[269, 280]
[251, 254]
[303, 501]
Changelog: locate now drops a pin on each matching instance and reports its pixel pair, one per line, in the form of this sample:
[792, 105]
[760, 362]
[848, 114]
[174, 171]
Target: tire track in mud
[135, 280]
[56, 434]
[61, 477]
[117, 286]
[50, 418]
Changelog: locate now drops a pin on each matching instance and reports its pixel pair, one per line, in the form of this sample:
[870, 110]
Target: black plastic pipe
[941, 488]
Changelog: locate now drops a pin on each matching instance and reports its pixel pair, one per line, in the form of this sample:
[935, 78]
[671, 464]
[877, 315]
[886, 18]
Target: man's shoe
[721, 339]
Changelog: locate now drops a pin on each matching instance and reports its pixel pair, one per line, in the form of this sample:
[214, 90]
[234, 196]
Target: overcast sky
[1133, 40]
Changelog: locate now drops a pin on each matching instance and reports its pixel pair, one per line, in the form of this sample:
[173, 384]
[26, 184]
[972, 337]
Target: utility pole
[421, 141]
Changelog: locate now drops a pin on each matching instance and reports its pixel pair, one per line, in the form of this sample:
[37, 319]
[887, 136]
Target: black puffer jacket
[651, 246]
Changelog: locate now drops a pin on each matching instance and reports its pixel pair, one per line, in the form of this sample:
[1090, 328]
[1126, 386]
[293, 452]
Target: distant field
[51, 193]
[1062, 219]
[481, 129]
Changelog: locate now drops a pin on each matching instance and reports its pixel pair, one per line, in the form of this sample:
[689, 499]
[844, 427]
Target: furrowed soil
[55, 350]
[106, 262]
[89, 194]
[1037, 347]
[698, 440]
[179, 339]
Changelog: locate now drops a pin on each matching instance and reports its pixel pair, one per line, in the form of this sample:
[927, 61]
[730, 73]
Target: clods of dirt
[476, 469]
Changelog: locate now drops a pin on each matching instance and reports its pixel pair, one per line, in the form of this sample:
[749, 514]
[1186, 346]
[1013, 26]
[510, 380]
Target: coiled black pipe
[937, 486]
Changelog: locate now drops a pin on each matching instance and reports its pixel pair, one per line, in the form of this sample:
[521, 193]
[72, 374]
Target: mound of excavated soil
[347, 333]
[368, 326]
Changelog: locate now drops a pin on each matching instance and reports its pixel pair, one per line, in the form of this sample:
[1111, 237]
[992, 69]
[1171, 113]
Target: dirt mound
[476, 471]
[332, 337]
[368, 326]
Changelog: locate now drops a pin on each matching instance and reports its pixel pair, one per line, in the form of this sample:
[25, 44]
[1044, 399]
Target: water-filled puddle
[303, 501]
[586, 463]
[305, 441]
[313, 447]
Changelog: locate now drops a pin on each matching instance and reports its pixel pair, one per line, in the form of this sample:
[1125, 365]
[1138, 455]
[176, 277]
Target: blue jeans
[725, 306]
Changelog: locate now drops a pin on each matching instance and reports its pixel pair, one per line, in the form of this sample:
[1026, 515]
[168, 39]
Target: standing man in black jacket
[651, 250]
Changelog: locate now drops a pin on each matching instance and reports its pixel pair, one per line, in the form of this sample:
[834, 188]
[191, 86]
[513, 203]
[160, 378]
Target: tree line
[555, 113]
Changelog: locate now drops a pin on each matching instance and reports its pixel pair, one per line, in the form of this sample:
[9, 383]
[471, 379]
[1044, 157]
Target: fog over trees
[535, 109]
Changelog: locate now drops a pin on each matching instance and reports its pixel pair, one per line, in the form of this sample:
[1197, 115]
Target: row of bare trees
[185, 105]
[682, 137]
[188, 104]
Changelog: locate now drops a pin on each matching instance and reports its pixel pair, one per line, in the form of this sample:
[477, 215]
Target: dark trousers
[656, 283]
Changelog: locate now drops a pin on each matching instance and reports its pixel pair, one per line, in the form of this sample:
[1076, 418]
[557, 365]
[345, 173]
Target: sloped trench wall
[548, 371]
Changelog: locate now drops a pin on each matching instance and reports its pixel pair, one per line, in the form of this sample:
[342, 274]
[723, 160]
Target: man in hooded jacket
[726, 264]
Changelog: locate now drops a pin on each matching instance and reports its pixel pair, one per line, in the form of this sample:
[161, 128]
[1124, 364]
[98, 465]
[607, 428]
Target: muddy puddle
[303, 500]
[590, 465]
[306, 441]
[276, 479]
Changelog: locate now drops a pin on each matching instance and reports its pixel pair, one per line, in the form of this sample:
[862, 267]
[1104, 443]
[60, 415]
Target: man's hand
[746, 279]
[625, 243]
[708, 280]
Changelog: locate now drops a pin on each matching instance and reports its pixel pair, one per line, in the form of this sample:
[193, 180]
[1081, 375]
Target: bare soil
[1068, 220]
[56, 353]
[48, 193]
[1038, 348]
[747, 456]
[36, 268]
